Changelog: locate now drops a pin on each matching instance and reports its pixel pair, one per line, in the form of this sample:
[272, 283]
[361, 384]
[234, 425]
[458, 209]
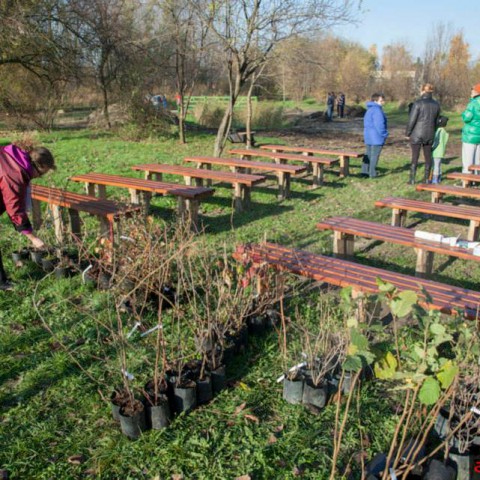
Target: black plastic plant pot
[219, 379]
[293, 389]
[37, 255]
[256, 324]
[48, 263]
[437, 470]
[463, 462]
[228, 353]
[133, 424]
[204, 390]
[315, 395]
[159, 415]
[185, 397]
[62, 272]
[20, 255]
[103, 281]
[117, 398]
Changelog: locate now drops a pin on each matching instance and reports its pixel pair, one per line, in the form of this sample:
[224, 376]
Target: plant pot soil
[219, 379]
[204, 390]
[437, 470]
[315, 395]
[184, 396]
[132, 419]
[62, 272]
[256, 324]
[293, 389]
[117, 398]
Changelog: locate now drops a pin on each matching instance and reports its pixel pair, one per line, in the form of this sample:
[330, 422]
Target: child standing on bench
[438, 148]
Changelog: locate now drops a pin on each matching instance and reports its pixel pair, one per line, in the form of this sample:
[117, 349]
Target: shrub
[209, 114]
[265, 116]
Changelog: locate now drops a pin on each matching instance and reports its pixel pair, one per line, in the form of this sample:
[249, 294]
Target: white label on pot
[475, 410]
[156, 327]
[85, 272]
[131, 332]
[128, 375]
[281, 378]
[392, 474]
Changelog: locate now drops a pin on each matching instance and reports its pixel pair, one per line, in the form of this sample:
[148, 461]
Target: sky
[384, 22]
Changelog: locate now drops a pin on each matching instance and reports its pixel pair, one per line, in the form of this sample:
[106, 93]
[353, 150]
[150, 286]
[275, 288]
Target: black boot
[426, 178]
[413, 172]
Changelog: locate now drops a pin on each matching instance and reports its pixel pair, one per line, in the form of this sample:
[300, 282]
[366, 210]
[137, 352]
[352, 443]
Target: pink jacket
[16, 171]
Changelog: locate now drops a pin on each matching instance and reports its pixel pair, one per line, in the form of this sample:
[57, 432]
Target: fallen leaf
[252, 418]
[244, 477]
[279, 428]
[240, 408]
[244, 386]
[272, 439]
[76, 459]
[177, 476]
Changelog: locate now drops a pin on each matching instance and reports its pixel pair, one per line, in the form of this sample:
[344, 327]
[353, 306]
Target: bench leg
[398, 217]
[424, 265]
[343, 244]
[158, 176]
[90, 189]
[75, 224]
[246, 194]
[147, 196]
[208, 181]
[105, 227]
[36, 214]
[134, 196]
[57, 222]
[436, 197]
[310, 167]
[188, 211]
[102, 191]
[473, 230]
[283, 185]
[465, 183]
[317, 175]
[344, 166]
[238, 197]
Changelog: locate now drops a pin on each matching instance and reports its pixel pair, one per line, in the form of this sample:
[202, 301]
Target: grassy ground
[51, 411]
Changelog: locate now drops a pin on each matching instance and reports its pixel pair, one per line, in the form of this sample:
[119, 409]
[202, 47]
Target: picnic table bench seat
[343, 155]
[466, 178]
[362, 278]
[400, 207]
[283, 172]
[439, 190]
[107, 211]
[188, 197]
[241, 182]
[317, 163]
[345, 229]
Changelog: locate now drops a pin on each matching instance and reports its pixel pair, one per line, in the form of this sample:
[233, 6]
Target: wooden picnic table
[283, 172]
[466, 178]
[241, 182]
[316, 163]
[400, 207]
[188, 197]
[107, 211]
[343, 155]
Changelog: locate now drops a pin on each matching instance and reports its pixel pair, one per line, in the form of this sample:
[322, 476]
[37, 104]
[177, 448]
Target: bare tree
[398, 71]
[248, 31]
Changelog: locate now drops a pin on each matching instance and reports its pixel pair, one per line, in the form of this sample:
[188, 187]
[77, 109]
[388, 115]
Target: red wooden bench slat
[184, 191]
[230, 177]
[252, 152]
[313, 150]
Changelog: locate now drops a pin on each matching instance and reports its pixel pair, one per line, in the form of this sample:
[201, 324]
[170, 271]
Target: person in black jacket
[422, 122]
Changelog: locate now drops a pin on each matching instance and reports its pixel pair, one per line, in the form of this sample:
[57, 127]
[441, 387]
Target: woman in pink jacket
[17, 168]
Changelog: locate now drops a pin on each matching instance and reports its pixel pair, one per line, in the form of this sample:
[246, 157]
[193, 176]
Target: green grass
[51, 410]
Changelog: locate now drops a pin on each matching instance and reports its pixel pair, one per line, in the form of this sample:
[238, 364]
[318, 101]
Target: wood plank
[312, 150]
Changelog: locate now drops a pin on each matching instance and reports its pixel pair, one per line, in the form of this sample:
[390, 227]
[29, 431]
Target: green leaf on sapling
[385, 287]
[429, 391]
[402, 305]
[447, 374]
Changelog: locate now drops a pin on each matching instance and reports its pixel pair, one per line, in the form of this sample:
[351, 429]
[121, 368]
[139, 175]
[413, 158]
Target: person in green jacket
[439, 146]
[471, 130]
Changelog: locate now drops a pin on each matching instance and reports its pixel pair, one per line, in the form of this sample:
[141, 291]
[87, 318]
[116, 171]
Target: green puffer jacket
[471, 118]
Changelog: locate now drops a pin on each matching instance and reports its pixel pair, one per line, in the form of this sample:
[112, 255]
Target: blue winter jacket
[374, 125]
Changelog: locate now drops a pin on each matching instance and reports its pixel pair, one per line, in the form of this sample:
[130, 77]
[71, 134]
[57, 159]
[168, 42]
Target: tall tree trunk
[181, 124]
[248, 123]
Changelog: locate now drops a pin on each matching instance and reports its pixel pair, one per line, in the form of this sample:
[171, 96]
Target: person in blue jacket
[374, 133]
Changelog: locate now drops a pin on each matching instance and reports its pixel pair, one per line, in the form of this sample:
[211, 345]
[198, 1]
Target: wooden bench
[466, 178]
[439, 190]
[362, 278]
[400, 207]
[188, 197]
[242, 183]
[283, 172]
[345, 229]
[107, 211]
[316, 163]
[241, 137]
[343, 156]
[474, 168]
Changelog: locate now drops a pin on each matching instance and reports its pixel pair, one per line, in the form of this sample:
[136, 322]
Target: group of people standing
[426, 132]
[333, 100]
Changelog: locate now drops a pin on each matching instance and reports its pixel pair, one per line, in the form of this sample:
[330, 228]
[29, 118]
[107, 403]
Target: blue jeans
[373, 154]
[329, 113]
